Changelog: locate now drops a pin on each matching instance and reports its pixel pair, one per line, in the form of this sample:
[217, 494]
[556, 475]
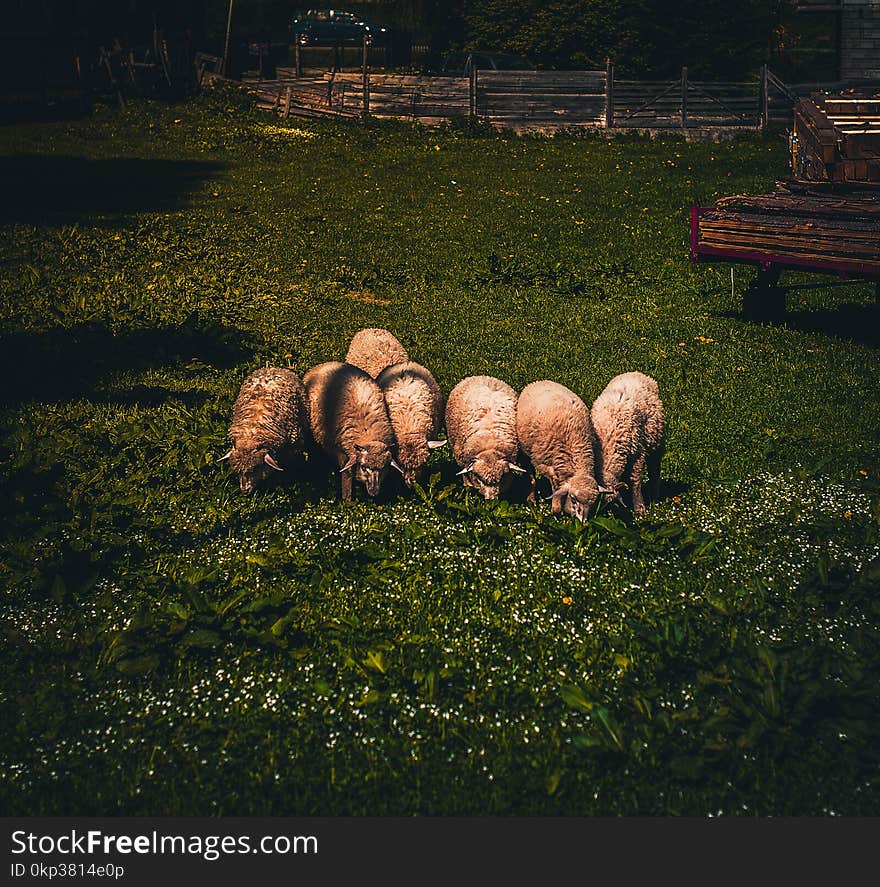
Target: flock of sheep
[379, 410]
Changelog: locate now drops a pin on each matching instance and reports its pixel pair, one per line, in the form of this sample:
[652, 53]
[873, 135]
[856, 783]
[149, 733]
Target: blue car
[334, 27]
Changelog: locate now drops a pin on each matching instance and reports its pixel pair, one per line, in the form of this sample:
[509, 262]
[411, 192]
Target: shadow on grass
[68, 363]
[668, 489]
[38, 111]
[854, 322]
[63, 190]
[151, 396]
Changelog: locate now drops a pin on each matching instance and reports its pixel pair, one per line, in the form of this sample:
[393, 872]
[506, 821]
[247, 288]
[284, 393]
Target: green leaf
[138, 664]
[376, 661]
[179, 610]
[574, 697]
[202, 638]
[612, 728]
[611, 525]
[369, 697]
[58, 591]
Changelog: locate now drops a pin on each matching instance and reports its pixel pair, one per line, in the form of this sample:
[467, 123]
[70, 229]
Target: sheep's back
[270, 408]
[481, 412]
[374, 349]
[347, 407]
[554, 428]
[628, 415]
[415, 404]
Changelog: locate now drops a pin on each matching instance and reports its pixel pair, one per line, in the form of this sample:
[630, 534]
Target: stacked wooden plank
[799, 225]
[837, 137]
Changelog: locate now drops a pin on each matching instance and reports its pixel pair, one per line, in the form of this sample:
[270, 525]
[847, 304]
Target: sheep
[350, 423]
[481, 429]
[415, 407]
[555, 431]
[269, 422]
[630, 425]
[375, 349]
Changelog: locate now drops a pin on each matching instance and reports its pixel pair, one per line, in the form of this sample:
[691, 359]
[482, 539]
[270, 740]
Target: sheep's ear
[395, 465]
[436, 444]
[272, 463]
[514, 467]
[607, 489]
[348, 465]
[222, 458]
[464, 470]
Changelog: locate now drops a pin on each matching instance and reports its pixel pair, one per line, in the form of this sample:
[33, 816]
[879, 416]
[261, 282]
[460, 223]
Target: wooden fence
[536, 100]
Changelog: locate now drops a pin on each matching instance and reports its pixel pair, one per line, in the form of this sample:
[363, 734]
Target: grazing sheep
[630, 426]
[481, 428]
[349, 421]
[554, 430]
[374, 349]
[415, 407]
[269, 422]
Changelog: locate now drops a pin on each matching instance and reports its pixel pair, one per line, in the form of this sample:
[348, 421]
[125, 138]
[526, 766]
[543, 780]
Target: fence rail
[538, 100]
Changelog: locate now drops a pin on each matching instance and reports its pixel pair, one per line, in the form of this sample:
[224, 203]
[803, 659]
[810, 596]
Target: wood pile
[801, 223]
[837, 137]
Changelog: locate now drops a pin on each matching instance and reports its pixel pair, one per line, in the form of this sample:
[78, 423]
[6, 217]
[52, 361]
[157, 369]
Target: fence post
[472, 93]
[764, 99]
[297, 59]
[225, 68]
[287, 103]
[609, 94]
[684, 98]
[366, 78]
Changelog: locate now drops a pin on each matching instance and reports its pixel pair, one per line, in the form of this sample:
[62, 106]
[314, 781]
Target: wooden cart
[826, 219]
[828, 229]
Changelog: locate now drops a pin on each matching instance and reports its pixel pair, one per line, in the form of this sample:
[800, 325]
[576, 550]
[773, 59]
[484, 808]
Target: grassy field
[172, 647]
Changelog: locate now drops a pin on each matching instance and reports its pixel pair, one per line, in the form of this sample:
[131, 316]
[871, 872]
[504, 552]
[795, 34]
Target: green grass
[171, 647]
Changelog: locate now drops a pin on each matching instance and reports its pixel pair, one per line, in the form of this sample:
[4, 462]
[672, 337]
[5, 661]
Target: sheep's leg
[533, 484]
[655, 457]
[638, 471]
[345, 479]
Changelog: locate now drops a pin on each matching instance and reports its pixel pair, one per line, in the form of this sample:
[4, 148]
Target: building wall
[860, 40]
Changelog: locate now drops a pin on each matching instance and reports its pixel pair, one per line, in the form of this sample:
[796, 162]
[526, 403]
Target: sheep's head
[412, 456]
[369, 462]
[251, 464]
[490, 474]
[577, 497]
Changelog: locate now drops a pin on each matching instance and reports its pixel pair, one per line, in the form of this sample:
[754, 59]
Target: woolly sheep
[349, 421]
[481, 429]
[375, 349]
[630, 426]
[415, 407]
[269, 422]
[554, 430]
